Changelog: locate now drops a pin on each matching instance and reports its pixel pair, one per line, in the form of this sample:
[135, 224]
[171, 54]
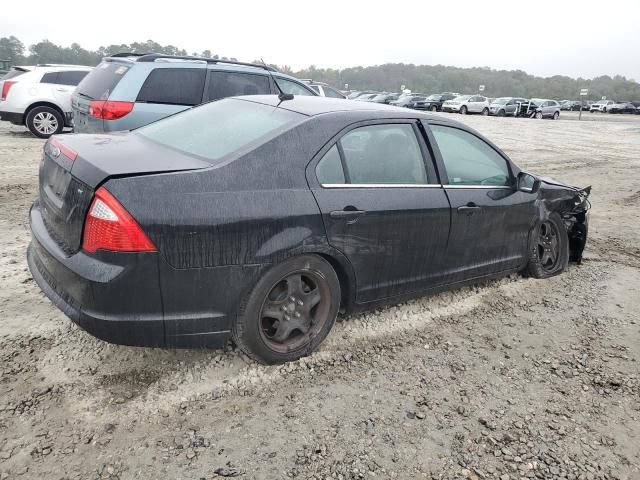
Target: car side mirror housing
[528, 183]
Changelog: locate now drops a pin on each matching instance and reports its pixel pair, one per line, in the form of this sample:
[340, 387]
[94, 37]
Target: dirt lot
[516, 378]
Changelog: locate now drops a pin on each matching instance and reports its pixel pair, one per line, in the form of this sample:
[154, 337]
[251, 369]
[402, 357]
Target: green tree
[11, 49]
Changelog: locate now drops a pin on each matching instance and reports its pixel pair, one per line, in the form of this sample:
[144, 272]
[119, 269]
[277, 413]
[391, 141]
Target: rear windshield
[217, 129]
[14, 72]
[99, 84]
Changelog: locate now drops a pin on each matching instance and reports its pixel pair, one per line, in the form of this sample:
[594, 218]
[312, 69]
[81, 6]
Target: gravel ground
[517, 378]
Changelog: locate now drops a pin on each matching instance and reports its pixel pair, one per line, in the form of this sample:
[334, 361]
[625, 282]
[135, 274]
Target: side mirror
[528, 183]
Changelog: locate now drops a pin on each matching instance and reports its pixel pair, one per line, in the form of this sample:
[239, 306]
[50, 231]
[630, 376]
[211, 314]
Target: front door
[383, 209]
[491, 219]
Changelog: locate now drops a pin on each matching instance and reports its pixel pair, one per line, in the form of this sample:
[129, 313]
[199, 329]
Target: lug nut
[297, 314]
[300, 302]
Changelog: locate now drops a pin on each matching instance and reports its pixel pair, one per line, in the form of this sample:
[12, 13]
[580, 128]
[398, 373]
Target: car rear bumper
[134, 299]
[15, 118]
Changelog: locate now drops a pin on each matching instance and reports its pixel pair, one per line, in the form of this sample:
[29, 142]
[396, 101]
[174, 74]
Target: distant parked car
[467, 104]
[324, 89]
[570, 105]
[367, 97]
[543, 108]
[622, 107]
[601, 106]
[39, 97]
[433, 102]
[128, 90]
[406, 100]
[385, 98]
[504, 106]
[355, 94]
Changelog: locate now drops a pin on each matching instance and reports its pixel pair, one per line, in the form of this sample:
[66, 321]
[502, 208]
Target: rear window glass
[99, 84]
[219, 128]
[173, 86]
[12, 74]
[230, 84]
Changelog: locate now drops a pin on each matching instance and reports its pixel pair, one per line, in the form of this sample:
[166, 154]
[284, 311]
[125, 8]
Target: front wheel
[44, 121]
[289, 312]
[434, 108]
[501, 113]
[549, 249]
[539, 115]
[463, 110]
[485, 111]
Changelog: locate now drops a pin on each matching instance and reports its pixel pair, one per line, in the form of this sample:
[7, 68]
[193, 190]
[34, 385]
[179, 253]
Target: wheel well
[43, 104]
[343, 278]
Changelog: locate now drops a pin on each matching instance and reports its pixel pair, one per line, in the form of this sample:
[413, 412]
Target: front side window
[287, 86]
[220, 128]
[383, 154]
[330, 92]
[469, 160]
[230, 84]
[173, 86]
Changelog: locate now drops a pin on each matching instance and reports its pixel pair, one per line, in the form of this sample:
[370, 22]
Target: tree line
[388, 77]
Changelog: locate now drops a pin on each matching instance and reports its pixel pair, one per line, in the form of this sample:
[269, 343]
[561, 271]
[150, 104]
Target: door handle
[468, 209]
[346, 213]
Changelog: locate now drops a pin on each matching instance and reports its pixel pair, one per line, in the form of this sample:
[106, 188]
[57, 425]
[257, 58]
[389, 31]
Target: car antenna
[282, 96]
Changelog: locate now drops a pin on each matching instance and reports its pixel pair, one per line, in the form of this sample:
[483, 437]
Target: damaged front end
[572, 204]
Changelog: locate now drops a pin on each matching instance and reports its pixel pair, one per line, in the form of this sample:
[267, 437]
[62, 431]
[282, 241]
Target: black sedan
[432, 102]
[259, 220]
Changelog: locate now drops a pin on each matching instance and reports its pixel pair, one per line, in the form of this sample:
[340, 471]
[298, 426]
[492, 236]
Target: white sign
[402, 87]
[584, 91]
[604, 98]
[481, 88]
[346, 86]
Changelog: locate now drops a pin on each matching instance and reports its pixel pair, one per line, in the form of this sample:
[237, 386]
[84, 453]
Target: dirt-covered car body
[204, 228]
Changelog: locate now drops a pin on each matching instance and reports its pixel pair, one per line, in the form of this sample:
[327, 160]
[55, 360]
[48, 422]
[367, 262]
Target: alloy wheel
[45, 123]
[294, 311]
[548, 246]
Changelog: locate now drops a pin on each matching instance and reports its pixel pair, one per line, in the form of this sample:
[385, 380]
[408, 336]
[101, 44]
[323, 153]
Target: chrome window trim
[381, 185]
[492, 187]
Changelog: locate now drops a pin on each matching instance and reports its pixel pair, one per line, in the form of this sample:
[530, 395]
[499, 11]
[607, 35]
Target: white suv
[40, 96]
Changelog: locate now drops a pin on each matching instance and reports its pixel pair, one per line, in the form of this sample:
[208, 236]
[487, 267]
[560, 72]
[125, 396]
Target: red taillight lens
[109, 110]
[109, 226]
[68, 152]
[6, 86]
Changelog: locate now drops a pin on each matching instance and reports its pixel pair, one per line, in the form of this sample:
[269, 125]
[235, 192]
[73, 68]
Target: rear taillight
[108, 110]
[109, 226]
[67, 151]
[6, 86]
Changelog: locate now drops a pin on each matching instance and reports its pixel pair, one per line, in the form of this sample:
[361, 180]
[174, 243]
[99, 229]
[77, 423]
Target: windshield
[501, 101]
[461, 98]
[380, 97]
[434, 97]
[218, 128]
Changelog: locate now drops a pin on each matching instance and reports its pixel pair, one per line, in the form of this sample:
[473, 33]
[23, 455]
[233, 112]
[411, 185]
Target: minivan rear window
[216, 129]
[99, 84]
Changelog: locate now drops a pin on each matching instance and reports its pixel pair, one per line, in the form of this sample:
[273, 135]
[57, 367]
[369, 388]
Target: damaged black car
[259, 218]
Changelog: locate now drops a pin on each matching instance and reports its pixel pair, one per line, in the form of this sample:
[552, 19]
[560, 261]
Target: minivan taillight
[6, 86]
[109, 226]
[108, 110]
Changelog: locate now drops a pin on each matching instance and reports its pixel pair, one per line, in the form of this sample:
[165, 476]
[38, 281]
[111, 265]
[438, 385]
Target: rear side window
[329, 169]
[72, 77]
[469, 160]
[383, 154]
[173, 86]
[101, 81]
[230, 84]
[50, 77]
[217, 129]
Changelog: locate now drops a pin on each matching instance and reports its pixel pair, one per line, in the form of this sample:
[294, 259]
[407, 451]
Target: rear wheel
[463, 110]
[556, 115]
[289, 312]
[501, 113]
[549, 250]
[44, 121]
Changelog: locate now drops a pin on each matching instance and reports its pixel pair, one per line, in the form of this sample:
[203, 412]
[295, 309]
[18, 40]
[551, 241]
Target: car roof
[312, 106]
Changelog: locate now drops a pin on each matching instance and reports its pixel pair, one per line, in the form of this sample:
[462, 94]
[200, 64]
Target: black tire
[545, 260]
[556, 115]
[501, 113]
[539, 115]
[463, 110]
[278, 300]
[434, 108]
[44, 121]
[485, 111]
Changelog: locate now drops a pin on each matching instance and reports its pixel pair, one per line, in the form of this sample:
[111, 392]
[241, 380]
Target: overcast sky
[575, 38]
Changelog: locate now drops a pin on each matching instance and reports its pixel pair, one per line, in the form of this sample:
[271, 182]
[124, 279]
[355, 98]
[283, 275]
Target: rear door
[490, 218]
[383, 207]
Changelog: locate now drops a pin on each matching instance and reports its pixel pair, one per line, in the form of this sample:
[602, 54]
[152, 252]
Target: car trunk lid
[74, 166]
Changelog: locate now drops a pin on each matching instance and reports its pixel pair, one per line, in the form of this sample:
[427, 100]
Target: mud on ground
[518, 378]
